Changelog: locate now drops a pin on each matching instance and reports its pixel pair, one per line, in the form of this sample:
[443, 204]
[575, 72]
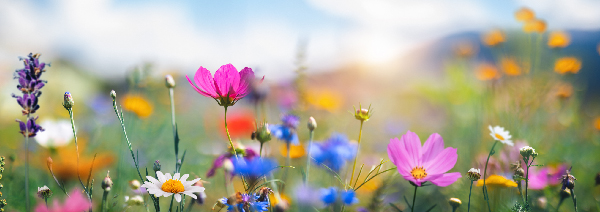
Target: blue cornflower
[349, 197]
[255, 167]
[334, 152]
[287, 130]
[330, 196]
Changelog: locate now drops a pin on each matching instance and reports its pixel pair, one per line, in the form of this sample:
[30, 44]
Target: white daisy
[499, 134]
[58, 133]
[166, 185]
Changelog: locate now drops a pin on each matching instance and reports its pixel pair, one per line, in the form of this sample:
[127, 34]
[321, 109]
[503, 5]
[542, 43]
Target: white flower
[58, 133]
[499, 134]
[166, 185]
[135, 200]
[527, 151]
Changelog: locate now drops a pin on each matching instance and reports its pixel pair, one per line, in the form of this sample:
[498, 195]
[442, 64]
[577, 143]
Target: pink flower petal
[446, 179]
[412, 144]
[198, 89]
[398, 156]
[443, 162]
[411, 179]
[432, 147]
[225, 78]
[205, 81]
[246, 77]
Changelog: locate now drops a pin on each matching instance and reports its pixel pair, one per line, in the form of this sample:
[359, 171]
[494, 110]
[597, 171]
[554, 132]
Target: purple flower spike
[226, 87]
[29, 102]
[429, 162]
[30, 128]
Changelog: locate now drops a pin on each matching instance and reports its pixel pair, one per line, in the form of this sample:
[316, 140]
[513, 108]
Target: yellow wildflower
[138, 105]
[565, 65]
[495, 181]
[324, 99]
[510, 67]
[524, 14]
[275, 201]
[296, 151]
[558, 40]
[486, 72]
[597, 123]
[493, 38]
[535, 25]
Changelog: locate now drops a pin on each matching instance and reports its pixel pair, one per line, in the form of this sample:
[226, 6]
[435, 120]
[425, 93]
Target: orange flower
[510, 67]
[558, 40]
[240, 125]
[464, 49]
[296, 151]
[487, 71]
[567, 64]
[64, 162]
[535, 25]
[597, 123]
[524, 14]
[138, 105]
[564, 90]
[493, 38]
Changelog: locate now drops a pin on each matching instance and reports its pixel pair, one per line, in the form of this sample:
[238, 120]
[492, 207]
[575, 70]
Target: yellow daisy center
[499, 137]
[172, 186]
[418, 172]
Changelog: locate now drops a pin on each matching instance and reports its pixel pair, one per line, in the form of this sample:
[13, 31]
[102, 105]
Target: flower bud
[44, 192]
[113, 94]
[134, 184]
[169, 81]
[156, 166]
[363, 114]
[455, 203]
[107, 182]
[565, 193]
[262, 134]
[474, 174]
[49, 162]
[312, 124]
[528, 151]
[68, 102]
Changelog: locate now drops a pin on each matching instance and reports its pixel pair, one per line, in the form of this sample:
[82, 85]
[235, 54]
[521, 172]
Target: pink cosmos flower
[75, 203]
[429, 162]
[227, 87]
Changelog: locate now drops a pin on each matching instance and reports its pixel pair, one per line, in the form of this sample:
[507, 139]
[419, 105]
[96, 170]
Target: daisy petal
[178, 197]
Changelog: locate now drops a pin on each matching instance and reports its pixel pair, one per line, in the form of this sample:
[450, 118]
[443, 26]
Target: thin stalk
[77, 151]
[574, 199]
[310, 140]
[412, 209]
[469, 205]
[485, 194]
[46, 200]
[171, 205]
[526, 182]
[357, 151]
[104, 205]
[27, 165]
[287, 163]
[231, 143]
[261, 147]
[172, 98]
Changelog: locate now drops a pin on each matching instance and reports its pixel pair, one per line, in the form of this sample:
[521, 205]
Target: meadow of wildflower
[508, 121]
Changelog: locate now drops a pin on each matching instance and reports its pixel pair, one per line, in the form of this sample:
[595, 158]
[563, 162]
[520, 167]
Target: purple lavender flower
[287, 130]
[30, 128]
[29, 76]
[29, 102]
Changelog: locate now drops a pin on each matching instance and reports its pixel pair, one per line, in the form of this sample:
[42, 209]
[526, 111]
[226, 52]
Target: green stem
[414, 198]
[357, 151]
[526, 182]
[260, 151]
[574, 199]
[469, 205]
[77, 151]
[172, 98]
[485, 194]
[104, 205]
[308, 158]
[171, 205]
[27, 165]
[46, 200]
[232, 147]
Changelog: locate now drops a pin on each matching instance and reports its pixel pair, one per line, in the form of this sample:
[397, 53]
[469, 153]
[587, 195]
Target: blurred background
[451, 67]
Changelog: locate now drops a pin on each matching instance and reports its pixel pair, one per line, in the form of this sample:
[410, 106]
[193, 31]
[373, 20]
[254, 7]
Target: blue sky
[109, 37]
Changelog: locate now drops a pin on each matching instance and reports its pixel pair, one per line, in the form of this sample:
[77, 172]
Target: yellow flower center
[418, 172]
[172, 186]
[499, 137]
